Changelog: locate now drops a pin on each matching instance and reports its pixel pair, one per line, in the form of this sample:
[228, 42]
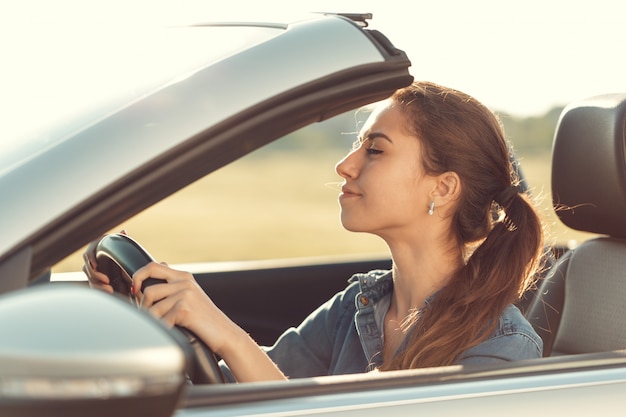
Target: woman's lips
[348, 193]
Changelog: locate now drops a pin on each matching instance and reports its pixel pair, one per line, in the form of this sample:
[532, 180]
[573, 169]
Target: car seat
[581, 304]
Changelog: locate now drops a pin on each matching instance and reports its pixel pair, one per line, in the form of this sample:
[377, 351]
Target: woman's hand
[96, 278]
[181, 301]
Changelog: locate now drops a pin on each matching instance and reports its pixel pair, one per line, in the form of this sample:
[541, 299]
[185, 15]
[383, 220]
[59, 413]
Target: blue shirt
[345, 334]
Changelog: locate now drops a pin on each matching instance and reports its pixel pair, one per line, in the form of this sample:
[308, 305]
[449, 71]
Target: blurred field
[282, 204]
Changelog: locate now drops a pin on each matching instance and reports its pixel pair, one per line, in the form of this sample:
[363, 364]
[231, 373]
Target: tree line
[531, 135]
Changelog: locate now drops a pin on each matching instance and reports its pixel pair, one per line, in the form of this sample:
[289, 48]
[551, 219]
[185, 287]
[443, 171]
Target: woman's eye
[373, 151]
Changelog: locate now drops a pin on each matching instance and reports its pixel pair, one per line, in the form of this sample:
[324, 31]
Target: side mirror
[73, 351]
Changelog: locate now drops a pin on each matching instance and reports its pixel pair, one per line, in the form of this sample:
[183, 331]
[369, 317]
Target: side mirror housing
[74, 351]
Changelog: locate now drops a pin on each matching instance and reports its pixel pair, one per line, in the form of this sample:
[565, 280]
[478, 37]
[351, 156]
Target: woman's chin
[351, 227]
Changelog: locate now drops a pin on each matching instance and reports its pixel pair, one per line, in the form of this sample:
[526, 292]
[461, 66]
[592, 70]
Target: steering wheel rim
[119, 257]
[203, 367]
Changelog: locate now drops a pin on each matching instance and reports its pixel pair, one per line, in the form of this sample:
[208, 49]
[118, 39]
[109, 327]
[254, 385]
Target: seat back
[581, 304]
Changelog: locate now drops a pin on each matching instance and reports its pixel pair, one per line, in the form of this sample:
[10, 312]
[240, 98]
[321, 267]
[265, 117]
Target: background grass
[275, 205]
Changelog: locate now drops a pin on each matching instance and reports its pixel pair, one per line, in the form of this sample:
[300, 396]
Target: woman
[430, 174]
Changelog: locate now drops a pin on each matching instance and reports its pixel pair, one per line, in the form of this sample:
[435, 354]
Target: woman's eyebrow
[374, 135]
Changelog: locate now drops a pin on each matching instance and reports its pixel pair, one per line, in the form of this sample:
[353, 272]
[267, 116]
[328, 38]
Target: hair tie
[504, 197]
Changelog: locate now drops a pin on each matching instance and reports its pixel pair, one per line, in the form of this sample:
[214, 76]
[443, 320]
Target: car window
[281, 202]
[277, 202]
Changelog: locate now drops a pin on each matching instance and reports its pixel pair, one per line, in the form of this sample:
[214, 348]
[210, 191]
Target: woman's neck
[418, 273]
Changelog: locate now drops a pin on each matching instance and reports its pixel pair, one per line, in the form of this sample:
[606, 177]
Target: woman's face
[385, 190]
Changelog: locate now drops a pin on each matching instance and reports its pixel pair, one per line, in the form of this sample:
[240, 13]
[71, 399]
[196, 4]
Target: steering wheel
[119, 257]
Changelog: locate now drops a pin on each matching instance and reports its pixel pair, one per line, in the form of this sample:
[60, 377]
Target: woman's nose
[346, 168]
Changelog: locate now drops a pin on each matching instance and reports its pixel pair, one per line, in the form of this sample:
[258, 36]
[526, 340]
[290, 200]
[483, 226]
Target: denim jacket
[344, 335]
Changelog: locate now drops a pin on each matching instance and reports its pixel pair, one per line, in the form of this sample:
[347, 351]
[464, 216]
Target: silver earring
[431, 208]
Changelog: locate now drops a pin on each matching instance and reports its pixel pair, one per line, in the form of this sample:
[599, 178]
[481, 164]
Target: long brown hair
[502, 241]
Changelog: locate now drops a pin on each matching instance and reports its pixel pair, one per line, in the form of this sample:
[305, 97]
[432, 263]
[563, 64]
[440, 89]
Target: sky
[517, 57]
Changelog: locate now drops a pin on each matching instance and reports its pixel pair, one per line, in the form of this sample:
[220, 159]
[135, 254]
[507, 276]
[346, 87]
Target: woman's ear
[447, 188]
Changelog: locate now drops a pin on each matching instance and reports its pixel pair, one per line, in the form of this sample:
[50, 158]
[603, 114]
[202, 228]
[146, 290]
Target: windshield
[57, 84]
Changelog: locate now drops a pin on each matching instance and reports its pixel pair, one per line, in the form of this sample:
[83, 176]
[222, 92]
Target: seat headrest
[589, 165]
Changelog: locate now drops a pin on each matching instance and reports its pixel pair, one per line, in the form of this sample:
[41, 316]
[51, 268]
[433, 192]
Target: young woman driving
[431, 175]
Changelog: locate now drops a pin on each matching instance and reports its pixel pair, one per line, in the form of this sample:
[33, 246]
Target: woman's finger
[157, 292]
[158, 271]
[89, 256]
[94, 276]
[165, 307]
[97, 279]
[190, 308]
